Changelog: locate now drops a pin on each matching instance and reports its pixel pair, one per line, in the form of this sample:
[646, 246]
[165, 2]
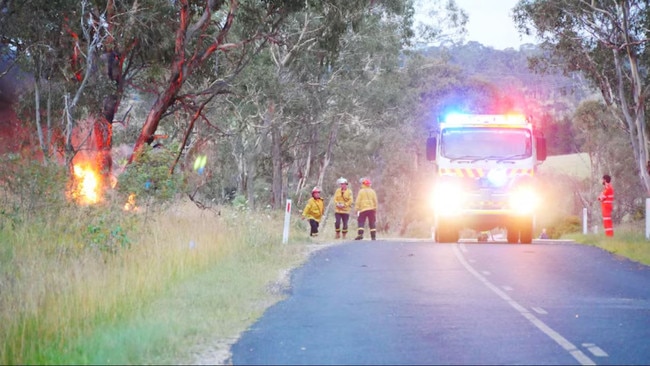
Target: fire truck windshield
[486, 143]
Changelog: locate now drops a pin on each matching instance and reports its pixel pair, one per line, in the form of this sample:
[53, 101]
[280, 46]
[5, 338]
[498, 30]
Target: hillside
[576, 165]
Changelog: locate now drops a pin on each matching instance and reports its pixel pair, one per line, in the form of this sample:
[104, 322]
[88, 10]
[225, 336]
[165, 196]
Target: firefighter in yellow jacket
[343, 201]
[366, 206]
[314, 211]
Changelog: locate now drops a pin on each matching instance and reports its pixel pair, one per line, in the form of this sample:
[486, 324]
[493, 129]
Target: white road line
[539, 310]
[507, 288]
[582, 358]
[595, 350]
[463, 248]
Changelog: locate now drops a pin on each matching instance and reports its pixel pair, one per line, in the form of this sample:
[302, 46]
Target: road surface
[417, 302]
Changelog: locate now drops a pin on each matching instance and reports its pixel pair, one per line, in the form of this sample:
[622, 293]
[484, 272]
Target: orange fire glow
[88, 186]
[87, 189]
[130, 203]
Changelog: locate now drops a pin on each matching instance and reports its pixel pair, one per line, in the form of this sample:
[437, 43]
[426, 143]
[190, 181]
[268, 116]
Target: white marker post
[647, 218]
[287, 218]
[584, 221]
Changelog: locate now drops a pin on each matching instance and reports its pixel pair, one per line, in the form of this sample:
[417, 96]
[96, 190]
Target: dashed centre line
[595, 350]
[539, 310]
[580, 356]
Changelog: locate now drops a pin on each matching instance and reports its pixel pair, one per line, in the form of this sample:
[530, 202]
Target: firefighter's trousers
[371, 215]
[607, 218]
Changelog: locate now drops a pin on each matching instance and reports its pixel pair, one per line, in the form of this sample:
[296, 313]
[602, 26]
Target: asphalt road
[397, 302]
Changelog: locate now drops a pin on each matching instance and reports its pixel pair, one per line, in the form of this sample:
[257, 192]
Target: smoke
[120, 155]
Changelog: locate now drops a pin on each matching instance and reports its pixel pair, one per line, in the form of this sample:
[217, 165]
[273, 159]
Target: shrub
[564, 225]
[149, 178]
[29, 188]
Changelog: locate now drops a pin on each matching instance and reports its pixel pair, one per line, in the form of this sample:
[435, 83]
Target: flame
[87, 184]
[130, 203]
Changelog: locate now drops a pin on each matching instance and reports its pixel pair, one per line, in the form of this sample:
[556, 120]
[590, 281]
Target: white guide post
[287, 218]
[647, 218]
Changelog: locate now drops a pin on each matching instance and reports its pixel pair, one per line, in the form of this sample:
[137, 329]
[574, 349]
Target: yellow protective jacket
[343, 201]
[366, 200]
[314, 209]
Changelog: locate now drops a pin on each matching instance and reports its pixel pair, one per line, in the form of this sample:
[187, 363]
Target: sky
[490, 23]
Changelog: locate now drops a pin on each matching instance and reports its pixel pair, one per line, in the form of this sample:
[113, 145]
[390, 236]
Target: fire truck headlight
[448, 199]
[524, 200]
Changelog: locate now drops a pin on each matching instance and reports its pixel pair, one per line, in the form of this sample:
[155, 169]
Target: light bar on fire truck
[458, 119]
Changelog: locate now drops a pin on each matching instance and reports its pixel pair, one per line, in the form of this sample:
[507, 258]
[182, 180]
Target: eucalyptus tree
[35, 36]
[600, 136]
[288, 104]
[342, 86]
[607, 41]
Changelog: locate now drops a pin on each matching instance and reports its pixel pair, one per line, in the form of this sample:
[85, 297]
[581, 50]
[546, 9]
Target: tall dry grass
[74, 284]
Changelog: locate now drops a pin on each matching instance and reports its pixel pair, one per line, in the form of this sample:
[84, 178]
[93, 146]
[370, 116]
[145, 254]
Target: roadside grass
[95, 286]
[575, 165]
[628, 241]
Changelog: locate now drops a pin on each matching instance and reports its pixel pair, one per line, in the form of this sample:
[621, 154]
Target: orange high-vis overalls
[606, 199]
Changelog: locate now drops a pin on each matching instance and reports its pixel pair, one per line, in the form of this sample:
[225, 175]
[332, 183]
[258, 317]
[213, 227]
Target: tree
[601, 137]
[605, 40]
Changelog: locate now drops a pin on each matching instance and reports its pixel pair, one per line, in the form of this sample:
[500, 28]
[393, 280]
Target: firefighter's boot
[359, 235]
[338, 235]
[373, 235]
[344, 234]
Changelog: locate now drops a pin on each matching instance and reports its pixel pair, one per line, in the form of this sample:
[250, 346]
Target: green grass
[188, 277]
[166, 288]
[575, 165]
[628, 241]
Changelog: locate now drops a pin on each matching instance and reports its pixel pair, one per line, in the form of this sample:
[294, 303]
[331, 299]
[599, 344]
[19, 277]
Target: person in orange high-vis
[606, 199]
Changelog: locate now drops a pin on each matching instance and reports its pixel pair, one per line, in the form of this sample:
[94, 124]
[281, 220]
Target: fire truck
[485, 179]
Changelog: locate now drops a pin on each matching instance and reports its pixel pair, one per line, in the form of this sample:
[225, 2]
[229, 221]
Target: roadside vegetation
[98, 285]
[629, 241]
[271, 99]
[166, 283]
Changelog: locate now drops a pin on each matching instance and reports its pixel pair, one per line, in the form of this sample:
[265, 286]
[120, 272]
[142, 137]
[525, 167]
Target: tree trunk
[302, 182]
[276, 156]
[173, 85]
[634, 116]
[103, 137]
[37, 107]
[155, 114]
[48, 142]
[328, 153]
[182, 67]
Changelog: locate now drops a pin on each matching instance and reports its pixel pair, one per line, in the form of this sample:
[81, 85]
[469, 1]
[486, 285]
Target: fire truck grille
[487, 205]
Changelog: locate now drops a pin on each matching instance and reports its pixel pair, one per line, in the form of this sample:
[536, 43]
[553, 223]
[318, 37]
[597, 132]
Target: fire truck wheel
[446, 234]
[512, 234]
[526, 234]
[525, 226]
